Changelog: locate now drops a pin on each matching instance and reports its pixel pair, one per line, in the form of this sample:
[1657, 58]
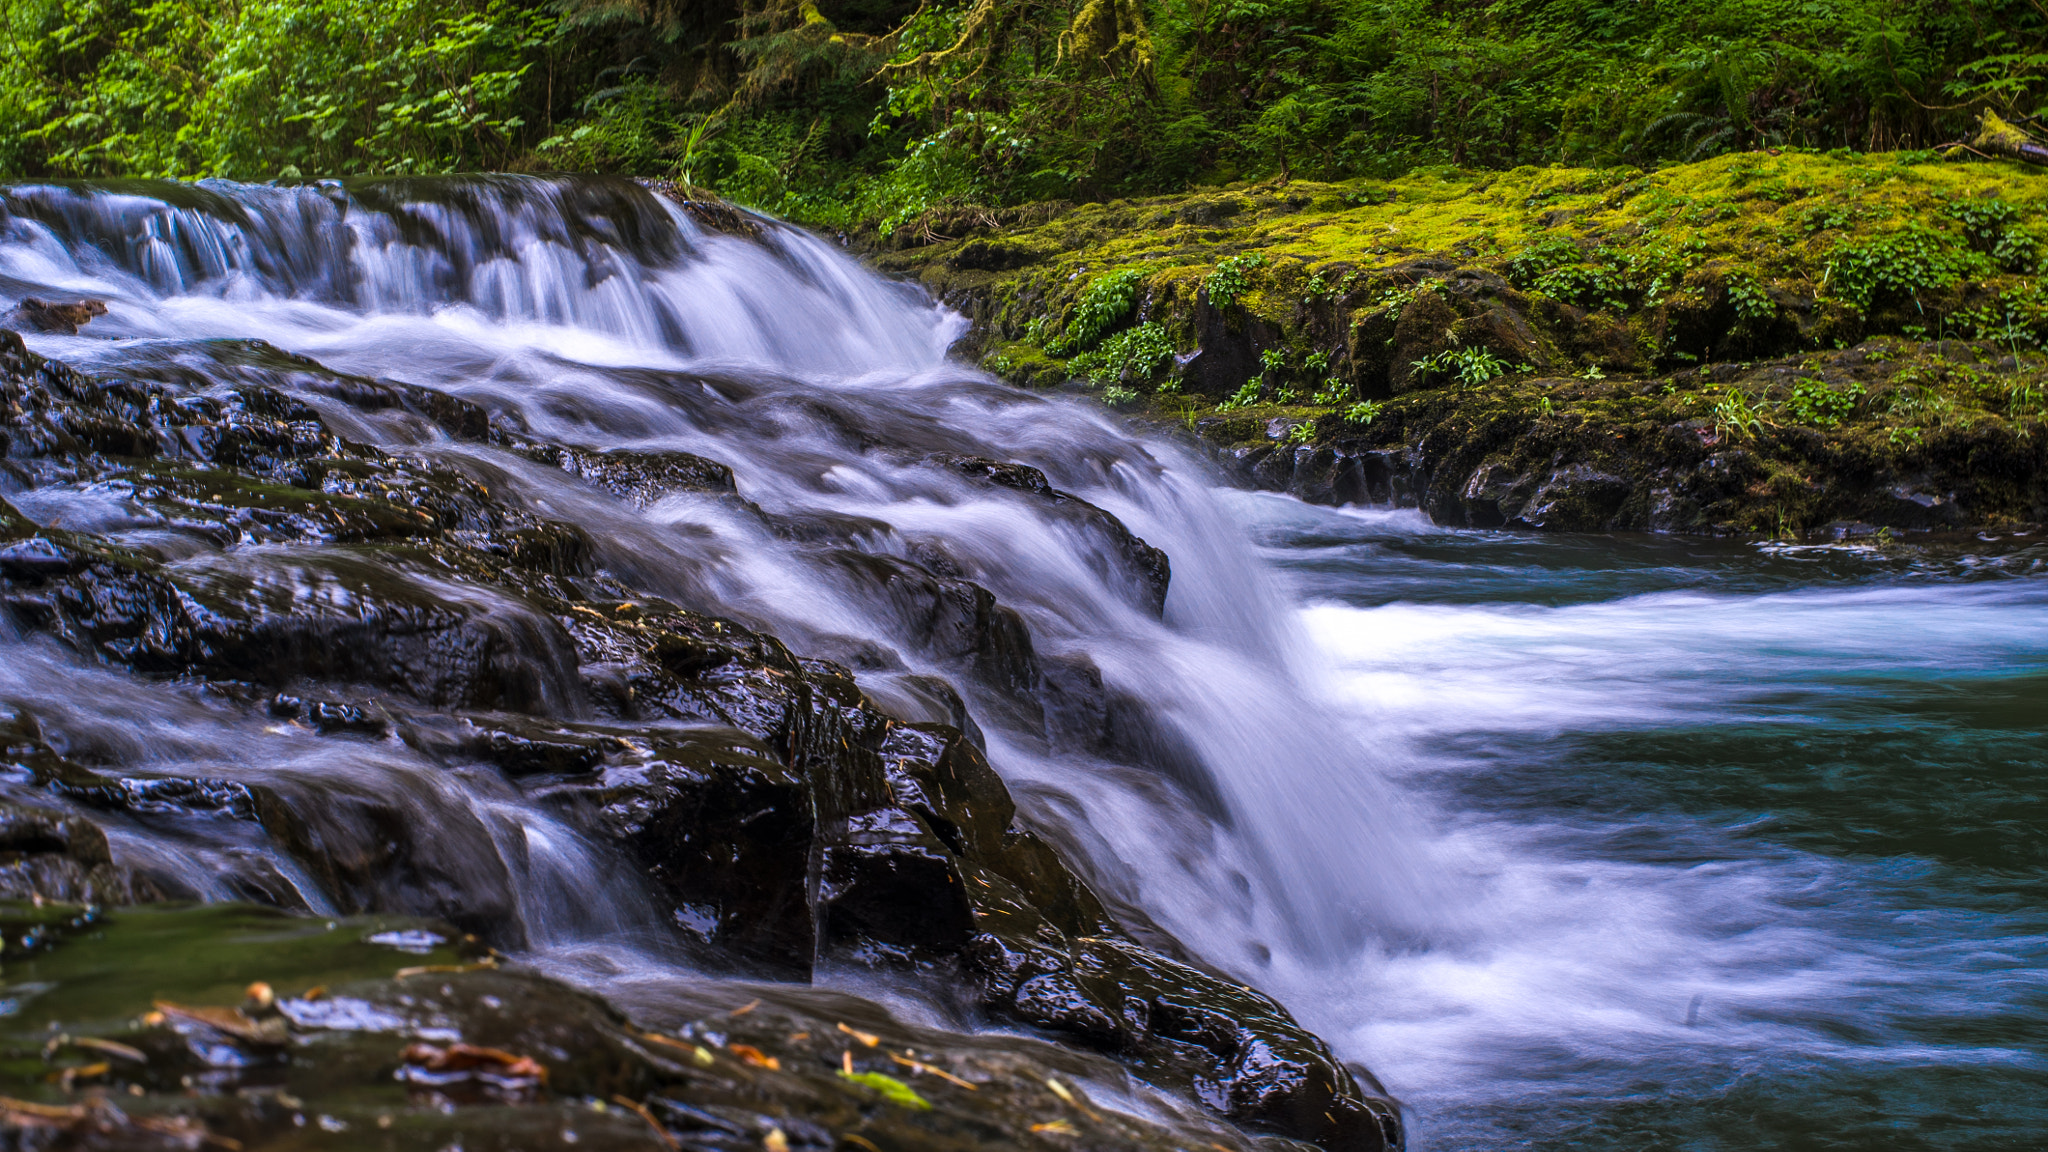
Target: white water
[1307, 828]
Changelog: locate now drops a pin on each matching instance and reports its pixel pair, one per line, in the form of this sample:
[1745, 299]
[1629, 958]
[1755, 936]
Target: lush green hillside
[1757, 343]
[840, 111]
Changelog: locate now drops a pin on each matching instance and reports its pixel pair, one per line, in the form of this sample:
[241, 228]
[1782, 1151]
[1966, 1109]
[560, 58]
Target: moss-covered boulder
[1762, 342]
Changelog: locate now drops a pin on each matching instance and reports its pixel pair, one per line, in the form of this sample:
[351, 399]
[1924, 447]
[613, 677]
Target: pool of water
[1748, 841]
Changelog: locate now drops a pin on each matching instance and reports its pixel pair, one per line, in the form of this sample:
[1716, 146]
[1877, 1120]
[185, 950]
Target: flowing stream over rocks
[613, 679]
[658, 607]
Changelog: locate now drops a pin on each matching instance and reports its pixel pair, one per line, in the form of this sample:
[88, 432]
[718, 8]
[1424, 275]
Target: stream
[1575, 842]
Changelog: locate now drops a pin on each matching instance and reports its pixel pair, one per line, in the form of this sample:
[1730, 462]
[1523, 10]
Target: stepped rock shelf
[1772, 344]
[780, 817]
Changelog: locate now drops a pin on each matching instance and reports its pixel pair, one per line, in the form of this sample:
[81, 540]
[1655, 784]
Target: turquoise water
[1752, 839]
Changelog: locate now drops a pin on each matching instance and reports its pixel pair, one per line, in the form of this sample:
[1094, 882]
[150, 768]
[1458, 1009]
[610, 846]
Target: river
[1576, 842]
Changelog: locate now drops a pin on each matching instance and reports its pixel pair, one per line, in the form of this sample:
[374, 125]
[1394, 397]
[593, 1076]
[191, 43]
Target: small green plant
[1736, 417]
[1469, 366]
[1135, 354]
[2024, 398]
[1272, 360]
[1333, 391]
[1752, 303]
[1244, 397]
[1231, 279]
[1898, 266]
[1286, 396]
[1992, 226]
[1363, 412]
[1814, 402]
[1103, 305]
[1116, 395]
[1302, 433]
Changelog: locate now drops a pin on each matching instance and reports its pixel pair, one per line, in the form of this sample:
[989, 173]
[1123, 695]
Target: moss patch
[1837, 317]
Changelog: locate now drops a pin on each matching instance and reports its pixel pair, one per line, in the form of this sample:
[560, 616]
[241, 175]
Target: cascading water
[1272, 795]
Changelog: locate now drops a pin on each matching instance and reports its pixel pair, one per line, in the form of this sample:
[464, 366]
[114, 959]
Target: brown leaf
[749, 1054]
[459, 1057]
[228, 1021]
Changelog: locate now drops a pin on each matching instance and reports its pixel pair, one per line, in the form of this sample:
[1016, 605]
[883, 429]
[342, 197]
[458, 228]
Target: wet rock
[1146, 569]
[640, 478]
[948, 620]
[43, 316]
[724, 829]
[503, 1058]
[778, 816]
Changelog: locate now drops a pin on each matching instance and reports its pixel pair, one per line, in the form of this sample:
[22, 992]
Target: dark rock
[640, 478]
[67, 317]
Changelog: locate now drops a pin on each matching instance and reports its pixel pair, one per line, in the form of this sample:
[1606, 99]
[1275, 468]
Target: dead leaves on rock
[494, 1070]
[97, 1121]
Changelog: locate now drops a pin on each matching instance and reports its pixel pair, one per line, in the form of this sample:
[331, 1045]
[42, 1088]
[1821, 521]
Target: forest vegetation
[835, 112]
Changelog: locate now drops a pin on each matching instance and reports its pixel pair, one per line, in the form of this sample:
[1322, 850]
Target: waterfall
[1223, 806]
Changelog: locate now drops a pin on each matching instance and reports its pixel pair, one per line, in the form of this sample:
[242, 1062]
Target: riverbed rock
[232, 535]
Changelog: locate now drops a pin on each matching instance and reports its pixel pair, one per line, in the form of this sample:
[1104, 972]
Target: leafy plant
[1815, 402]
[1135, 354]
[1105, 303]
[1900, 265]
[1736, 416]
[1244, 397]
[1752, 303]
[1363, 412]
[1469, 366]
[1231, 279]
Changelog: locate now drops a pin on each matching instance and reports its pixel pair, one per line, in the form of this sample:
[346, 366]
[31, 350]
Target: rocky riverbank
[1757, 344]
[213, 520]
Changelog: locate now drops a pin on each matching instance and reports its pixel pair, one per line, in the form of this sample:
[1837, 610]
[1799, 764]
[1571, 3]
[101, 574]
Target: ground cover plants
[1823, 320]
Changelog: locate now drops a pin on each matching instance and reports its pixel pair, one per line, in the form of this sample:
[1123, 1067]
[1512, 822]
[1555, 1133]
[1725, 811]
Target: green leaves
[1231, 279]
[893, 1090]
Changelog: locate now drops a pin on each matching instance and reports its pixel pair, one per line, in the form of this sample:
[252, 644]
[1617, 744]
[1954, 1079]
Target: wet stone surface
[218, 522]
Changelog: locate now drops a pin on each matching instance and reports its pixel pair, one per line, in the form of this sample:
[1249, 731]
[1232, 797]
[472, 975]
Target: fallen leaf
[83, 1072]
[856, 1138]
[919, 1066]
[743, 1009]
[485, 964]
[110, 1047]
[775, 1141]
[867, 1038]
[459, 1057]
[229, 1021]
[1060, 1090]
[749, 1054]
[893, 1090]
[640, 1110]
[1060, 1127]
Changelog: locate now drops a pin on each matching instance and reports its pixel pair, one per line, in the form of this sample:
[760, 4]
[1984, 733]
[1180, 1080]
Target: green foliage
[1814, 402]
[1133, 354]
[1992, 226]
[1752, 303]
[896, 113]
[1231, 279]
[266, 88]
[1246, 396]
[1736, 416]
[1363, 412]
[1106, 303]
[893, 1090]
[1897, 266]
[1469, 366]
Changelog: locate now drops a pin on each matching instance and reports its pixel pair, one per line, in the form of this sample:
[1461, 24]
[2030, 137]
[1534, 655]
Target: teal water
[1755, 839]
